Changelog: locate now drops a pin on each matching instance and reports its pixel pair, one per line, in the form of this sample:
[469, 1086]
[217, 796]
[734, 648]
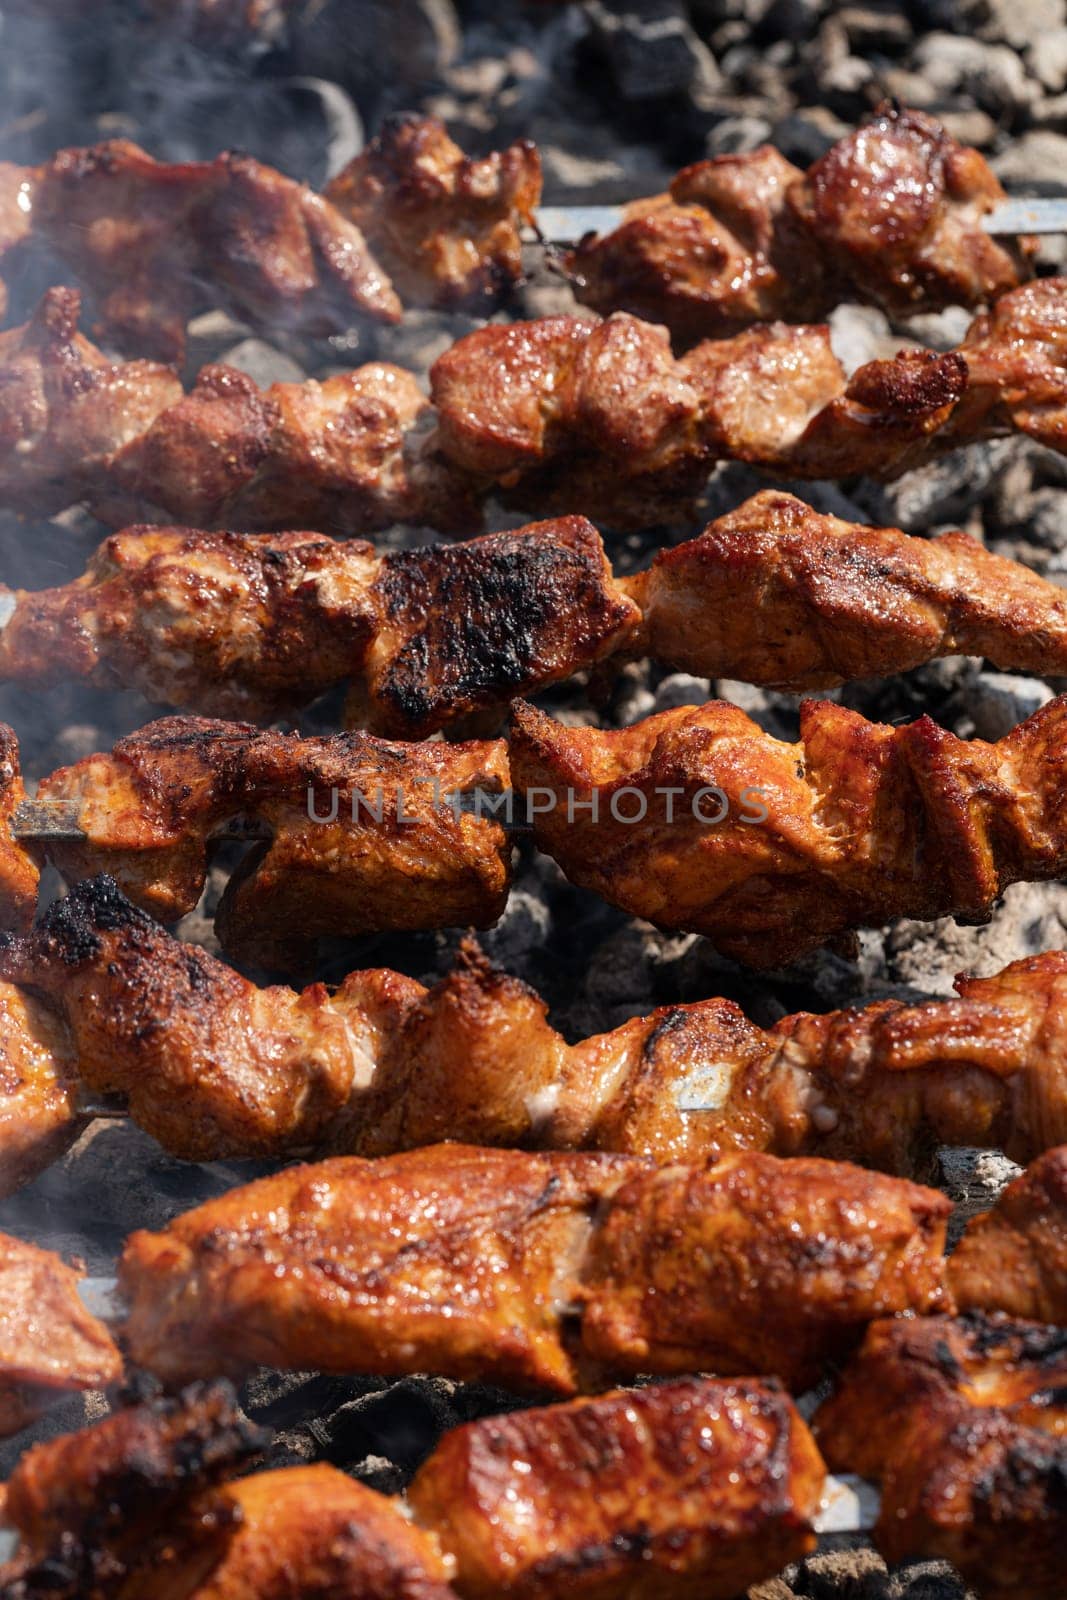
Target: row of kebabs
[558, 415]
[891, 215]
[99, 1000]
[693, 819]
[558, 1273]
[693, 1489]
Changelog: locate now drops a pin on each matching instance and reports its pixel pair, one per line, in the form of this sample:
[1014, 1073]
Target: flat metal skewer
[58, 820]
[1016, 215]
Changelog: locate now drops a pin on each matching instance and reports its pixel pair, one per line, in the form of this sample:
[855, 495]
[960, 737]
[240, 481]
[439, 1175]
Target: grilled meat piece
[91, 1506]
[39, 1084]
[531, 1270]
[694, 819]
[697, 819]
[248, 625]
[535, 407]
[891, 215]
[362, 835]
[314, 1533]
[19, 876]
[962, 1422]
[444, 226]
[215, 1068]
[343, 455]
[49, 1343]
[575, 416]
[693, 1490]
[685, 1489]
[155, 243]
[1014, 1257]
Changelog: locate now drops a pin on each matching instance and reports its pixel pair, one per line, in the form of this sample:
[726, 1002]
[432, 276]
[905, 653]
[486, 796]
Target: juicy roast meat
[962, 1423]
[536, 1271]
[19, 876]
[566, 415]
[249, 625]
[444, 225]
[697, 819]
[49, 1343]
[155, 243]
[891, 215]
[363, 836]
[684, 1490]
[215, 1068]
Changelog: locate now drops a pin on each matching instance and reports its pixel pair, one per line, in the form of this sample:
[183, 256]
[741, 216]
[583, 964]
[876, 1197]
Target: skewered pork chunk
[535, 407]
[344, 454]
[860, 821]
[444, 226]
[694, 819]
[49, 1343]
[962, 1422]
[689, 1490]
[678, 1492]
[248, 625]
[155, 243]
[244, 624]
[891, 215]
[215, 1068]
[1014, 1257]
[90, 1506]
[396, 853]
[572, 416]
[536, 1271]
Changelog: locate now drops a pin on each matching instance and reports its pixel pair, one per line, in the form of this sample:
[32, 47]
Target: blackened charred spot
[71, 928]
[485, 621]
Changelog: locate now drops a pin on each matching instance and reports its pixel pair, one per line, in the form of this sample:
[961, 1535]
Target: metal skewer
[58, 820]
[567, 224]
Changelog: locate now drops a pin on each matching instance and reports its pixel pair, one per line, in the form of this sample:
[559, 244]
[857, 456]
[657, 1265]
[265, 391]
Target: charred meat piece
[698, 819]
[363, 836]
[444, 225]
[49, 1343]
[246, 625]
[962, 1422]
[249, 625]
[538, 1271]
[890, 215]
[93, 1507]
[215, 1068]
[155, 243]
